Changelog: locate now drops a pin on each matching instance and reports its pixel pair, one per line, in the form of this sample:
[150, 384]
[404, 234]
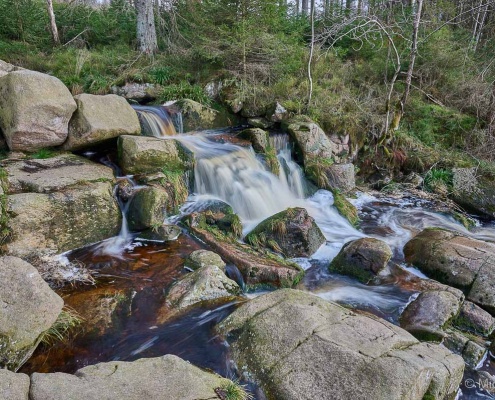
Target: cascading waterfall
[156, 121]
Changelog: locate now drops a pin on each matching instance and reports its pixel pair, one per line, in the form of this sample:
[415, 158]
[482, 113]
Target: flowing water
[129, 318]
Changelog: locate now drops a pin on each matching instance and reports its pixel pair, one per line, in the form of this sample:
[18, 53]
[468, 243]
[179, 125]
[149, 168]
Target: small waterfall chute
[156, 121]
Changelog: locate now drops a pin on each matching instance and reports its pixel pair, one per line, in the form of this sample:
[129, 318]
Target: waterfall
[156, 121]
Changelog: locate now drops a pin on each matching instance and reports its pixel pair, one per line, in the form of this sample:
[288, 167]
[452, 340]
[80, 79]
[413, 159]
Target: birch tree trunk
[53, 24]
[399, 112]
[491, 114]
[311, 52]
[146, 31]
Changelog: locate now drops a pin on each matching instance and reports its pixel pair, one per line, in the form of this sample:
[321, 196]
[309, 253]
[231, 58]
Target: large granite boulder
[465, 263]
[29, 308]
[258, 138]
[473, 191]
[100, 118]
[291, 232]
[35, 110]
[141, 154]
[362, 258]
[59, 204]
[299, 346]
[13, 386]
[431, 313]
[147, 208]
[205, 284]
[151, 378]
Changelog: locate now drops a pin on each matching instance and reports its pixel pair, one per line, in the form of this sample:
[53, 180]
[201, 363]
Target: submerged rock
[430, 313]
[141, 154]
[203, 258]
[299, 346]
[162, 233]
[35, 110]
[100, 118]
[13, 386]
[151, 378]
[205, 284]
[29, 308]
[292, 232]
[362, 258]
[456, 260]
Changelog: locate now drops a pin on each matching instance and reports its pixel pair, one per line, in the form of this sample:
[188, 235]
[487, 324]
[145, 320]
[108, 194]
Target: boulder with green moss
[29, 308]
[141, 154]
[301, 347]
[292, 232]
[474, 319]
[258, 268]
[470, 350]
[147, 208]
[431, 313]
[345, 208]
[98, 119]
[258, 138]
[167, 377]
[362, 258]
[456, 260]
[35, 110]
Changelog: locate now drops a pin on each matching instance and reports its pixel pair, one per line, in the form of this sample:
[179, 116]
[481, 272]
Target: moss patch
[345, 208]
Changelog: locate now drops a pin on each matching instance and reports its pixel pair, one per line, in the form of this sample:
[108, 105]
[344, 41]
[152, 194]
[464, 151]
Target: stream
[125, 314]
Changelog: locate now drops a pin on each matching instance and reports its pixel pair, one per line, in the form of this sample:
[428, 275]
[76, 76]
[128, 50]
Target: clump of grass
[316, 170]
[42, 154]
[233, 390]
[60, 331]
[438, 181]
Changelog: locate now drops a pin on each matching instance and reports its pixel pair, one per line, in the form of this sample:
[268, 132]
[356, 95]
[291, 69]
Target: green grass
[436, 179]
[42, 154]
[60, 331]
[233, 390]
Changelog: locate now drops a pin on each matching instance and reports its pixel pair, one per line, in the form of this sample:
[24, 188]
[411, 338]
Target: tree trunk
[491, 114]
[146, 31]
[304, 7]
[53, 24]
[399, 112]
[312, 47]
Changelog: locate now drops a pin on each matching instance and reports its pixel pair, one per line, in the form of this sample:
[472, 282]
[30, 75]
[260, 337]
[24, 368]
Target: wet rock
[456, 260]
[35, 110]
[54, 174]
[474, 319]
[362, 258]
[196, 116]
[50, 223]
[118, 380]
[256, 267]
[100, 118]
[471, 352]
[29, 307]
[473, 191]
[276, 112]
[260, 123]
[364, 356]
[140, 92]
[311, 139]
[13, 386]
[292, 232]
[258, 138]
[141, 154]
[430, 313]
[125, 189]
[147, 208]
[163, 233]
[205, 284]
[202, 258]
[219, 215]
[339, 176]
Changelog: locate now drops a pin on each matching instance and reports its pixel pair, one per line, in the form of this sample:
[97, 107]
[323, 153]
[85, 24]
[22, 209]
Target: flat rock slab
[13, 386]
[167, 377]
[456, 260]
[299, 346]
[54, 174]
[28, 307]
